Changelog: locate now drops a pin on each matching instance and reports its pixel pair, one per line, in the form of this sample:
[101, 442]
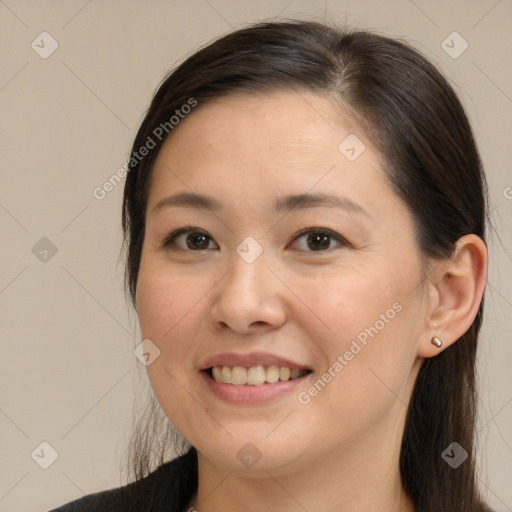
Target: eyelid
[169, 239]
[336, 236]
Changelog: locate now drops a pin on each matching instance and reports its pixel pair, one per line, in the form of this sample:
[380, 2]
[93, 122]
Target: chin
[254, 457]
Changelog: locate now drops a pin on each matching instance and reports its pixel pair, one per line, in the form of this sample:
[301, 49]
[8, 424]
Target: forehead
[297, 120]
[249, 145]
[273, 130]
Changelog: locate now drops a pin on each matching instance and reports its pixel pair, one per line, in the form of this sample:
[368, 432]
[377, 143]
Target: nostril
[258, 323]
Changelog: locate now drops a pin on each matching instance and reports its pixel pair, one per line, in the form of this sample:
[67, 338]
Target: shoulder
[98, 501]
[169, 487]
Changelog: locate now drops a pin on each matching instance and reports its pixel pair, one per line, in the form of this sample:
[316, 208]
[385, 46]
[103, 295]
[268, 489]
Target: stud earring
[436, 341]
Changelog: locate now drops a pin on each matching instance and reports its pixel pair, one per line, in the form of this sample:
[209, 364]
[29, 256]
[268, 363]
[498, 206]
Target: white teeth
[284, 374]
[238, 376]
[217, 373]
[226, 375]
[255, 375]
[272, 374]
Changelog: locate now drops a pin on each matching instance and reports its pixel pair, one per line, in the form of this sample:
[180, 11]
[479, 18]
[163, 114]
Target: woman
[304, 219]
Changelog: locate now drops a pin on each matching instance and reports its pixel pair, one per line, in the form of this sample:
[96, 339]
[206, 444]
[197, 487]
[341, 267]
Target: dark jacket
[168, 488]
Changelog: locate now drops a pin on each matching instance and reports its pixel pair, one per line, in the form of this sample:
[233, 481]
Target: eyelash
[169, 240]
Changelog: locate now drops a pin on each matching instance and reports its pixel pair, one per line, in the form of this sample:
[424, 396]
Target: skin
[340, 450]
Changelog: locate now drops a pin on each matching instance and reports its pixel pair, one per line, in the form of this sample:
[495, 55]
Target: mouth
[261, 375]
[250, 379]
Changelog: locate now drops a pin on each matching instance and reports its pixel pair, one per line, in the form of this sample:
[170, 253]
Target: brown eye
[316, 240]
[319, 240]
[188, 240]
[196, 241]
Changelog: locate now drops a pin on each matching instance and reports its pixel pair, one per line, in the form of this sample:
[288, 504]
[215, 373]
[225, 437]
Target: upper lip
[250, 360]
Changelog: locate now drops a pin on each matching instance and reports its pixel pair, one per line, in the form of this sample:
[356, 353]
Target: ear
[455, 287]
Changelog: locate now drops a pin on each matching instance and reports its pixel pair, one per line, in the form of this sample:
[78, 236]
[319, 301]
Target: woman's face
[242, 290]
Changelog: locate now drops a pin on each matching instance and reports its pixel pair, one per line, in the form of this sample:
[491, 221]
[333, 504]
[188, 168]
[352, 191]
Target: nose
[248, 299]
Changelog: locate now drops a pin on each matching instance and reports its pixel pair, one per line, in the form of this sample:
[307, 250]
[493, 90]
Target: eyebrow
[281, 205]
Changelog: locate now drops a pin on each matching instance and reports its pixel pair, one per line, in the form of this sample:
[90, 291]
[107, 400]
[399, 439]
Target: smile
[254, 375]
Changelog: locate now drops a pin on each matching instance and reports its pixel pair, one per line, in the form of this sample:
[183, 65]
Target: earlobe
[458, 286]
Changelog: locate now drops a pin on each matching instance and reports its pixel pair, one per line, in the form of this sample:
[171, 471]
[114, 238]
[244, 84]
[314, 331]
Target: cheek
[163, 298]
[155, 303]
[171, 311]
[365, 327]
[168, 311]
[345, 308]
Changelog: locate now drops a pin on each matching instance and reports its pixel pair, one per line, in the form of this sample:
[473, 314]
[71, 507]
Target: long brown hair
[432, 162]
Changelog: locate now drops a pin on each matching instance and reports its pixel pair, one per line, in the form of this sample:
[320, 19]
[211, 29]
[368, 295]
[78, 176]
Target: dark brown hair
[431, 160]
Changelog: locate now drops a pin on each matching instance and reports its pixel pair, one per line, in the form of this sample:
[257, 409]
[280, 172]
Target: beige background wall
[68, 376]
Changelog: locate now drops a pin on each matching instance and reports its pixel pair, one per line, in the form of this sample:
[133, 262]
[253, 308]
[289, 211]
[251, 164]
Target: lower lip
[251, 395]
